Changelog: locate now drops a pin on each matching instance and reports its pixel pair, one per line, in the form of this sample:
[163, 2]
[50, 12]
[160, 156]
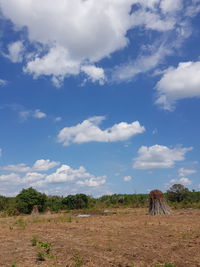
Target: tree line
[178, 196]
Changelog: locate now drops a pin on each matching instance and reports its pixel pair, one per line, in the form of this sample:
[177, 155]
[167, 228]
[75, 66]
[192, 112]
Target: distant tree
[177, 193]
[27, 198]
[55, 203]
[78, 201]
[3, 203]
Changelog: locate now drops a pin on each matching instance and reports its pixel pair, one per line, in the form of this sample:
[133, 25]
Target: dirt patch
[122, 239]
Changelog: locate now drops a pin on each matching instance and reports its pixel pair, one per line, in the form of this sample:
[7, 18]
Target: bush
[54, 203]
[78, 201]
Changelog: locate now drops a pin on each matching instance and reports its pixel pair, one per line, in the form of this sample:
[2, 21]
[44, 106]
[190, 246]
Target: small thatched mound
[157, 203]
[35, 211]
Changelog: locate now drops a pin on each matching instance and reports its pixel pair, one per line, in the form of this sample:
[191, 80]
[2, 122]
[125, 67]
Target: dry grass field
[125, 239]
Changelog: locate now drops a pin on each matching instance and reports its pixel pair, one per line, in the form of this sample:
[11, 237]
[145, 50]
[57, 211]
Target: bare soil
[124, 239]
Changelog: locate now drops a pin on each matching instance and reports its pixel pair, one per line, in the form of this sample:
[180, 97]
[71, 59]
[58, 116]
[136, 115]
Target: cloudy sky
[99, 97]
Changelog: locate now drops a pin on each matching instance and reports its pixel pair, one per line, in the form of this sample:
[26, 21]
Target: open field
[127, 238]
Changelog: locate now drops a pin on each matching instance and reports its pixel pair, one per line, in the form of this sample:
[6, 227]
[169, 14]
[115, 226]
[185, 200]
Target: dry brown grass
[127, 237]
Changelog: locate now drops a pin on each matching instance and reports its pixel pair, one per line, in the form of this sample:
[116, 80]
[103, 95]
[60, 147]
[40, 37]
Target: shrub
[78, 201]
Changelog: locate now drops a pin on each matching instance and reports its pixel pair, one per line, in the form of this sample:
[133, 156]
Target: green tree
[54, 203]
[78, 201]
[29, 197]
[3, 203]
[177, 193]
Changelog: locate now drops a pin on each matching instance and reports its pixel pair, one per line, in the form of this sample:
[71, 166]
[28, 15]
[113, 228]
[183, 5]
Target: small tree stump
[35, 211]
[157, 203]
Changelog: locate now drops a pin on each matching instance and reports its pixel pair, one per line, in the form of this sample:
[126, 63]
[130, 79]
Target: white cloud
[44, 165]
[184, 172]
[83, 32]
[15, 51]
[32, 177]
[25, 114]
[127, 178]
[152, 20]
[157, 156]
[3, 82]
[185, 181]
[0, 152]
[89, 131]
[65, 173]
[39, 165]
[173, 181]
[58, 119]
[21, 167]
[142, 64]
[38, 176]
[39, 114]
[93, 182]
[94, 73]
[170, 5]
[10, 178]
[178, 83]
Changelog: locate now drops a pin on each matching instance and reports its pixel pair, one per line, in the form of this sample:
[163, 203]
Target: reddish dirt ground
[125, 239]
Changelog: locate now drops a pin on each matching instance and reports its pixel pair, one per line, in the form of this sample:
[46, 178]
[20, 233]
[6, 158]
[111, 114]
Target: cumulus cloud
[89, 131]
[65, 173]
[38, 176]
[127, 178]
[184, 172]
[178, 83]
[15, 51]
[83, 32]
[171, 5]
[44, 165]
[92, 182]
[158, 156]
[21, 167]
[10, 178]
[94, 73]
[39, 165]
[185, 181]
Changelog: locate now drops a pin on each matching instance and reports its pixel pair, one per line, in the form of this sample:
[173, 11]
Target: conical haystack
[35, 211]
[157, 203]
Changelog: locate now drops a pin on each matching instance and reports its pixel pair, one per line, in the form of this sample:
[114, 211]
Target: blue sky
[99, 97]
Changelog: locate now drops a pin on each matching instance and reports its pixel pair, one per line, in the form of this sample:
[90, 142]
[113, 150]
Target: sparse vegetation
[34, 241]
[178, 196]
[45, 246]
[20, 223]
[121, 239]
[40, 256]
[78, 261]
[169, 265]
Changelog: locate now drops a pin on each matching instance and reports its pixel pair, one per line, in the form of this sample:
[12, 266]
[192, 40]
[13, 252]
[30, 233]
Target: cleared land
[122, 239]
